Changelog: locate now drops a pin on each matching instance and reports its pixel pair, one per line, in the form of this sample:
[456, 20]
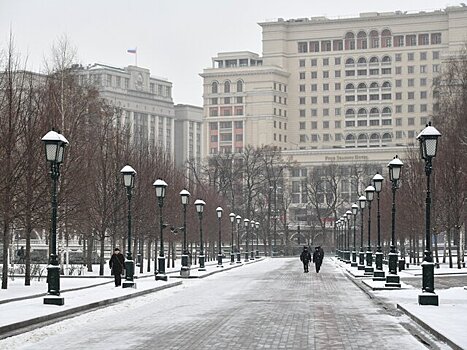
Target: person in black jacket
[305, 258]
[318, 256]
[117, 265]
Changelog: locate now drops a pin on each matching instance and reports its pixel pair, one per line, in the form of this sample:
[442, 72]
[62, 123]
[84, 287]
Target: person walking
[305, 258]
[117, 265]
[318, 256]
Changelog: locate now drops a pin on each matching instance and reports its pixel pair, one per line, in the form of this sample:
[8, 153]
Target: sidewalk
[22, 307]
[446, 321]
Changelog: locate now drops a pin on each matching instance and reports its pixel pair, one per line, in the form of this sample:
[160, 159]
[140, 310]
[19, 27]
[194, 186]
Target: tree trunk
[449, 248]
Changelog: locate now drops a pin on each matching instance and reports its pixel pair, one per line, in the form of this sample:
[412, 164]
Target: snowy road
[270, 304]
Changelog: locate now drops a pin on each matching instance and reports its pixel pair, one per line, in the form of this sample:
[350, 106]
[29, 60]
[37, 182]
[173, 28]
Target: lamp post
[428, 139]
[129, 181]
[339, 239]
[361, 254]
[379, 274]
[238, 218]
[354, 250]
[342, 238]
[370, 192]
[55, 145]
[246, 223]
[257, 239]
[232, 255]
[347, 216]
[252, 253]
[336, 238]
[161, 186]
[199, 204]
[395, 167]
[185, 269]
[219, 211]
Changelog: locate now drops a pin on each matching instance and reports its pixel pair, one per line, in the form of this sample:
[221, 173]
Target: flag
[131, 50]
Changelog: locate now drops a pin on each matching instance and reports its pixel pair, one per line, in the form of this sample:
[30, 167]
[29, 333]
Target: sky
[175, 39]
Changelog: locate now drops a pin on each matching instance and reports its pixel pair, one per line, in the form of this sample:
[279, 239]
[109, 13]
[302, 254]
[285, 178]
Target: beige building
[332, 90]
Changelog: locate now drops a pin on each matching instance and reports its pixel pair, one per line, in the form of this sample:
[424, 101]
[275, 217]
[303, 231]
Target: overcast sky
[176, 39]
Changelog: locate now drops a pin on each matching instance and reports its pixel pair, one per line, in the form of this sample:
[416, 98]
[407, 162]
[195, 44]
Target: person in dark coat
[305, 258]
[318, 256]
[117, 265]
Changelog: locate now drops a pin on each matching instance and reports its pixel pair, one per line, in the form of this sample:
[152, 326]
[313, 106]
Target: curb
[16, 328]
[429, 329]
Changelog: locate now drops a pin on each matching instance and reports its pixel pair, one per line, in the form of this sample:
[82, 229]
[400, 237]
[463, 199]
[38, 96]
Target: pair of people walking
[318, 255]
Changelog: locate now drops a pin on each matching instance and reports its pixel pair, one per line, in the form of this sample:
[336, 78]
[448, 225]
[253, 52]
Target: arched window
[362, 42]
[386, 59]
[362, 112]
[387, 137]
[374, 60]
[350, 113]
[214, 87]
[349, 41]
[350, 86]
[374, 39]
[374, 137]
[350, 137]
[387, 111]
[386, 38]
[362, 86]
[362, 138]
[374, 111]
[374, 85]
[227, 86]
[362, 60]
[239, 86]
[386, 85]
[349, 61]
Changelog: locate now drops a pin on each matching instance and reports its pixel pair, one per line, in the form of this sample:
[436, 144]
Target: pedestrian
[318, 256]
[117, 265]
[305, 258]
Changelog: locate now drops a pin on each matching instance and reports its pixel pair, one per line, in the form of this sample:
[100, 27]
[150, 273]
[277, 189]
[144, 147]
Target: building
[147, 108]
[332, 90]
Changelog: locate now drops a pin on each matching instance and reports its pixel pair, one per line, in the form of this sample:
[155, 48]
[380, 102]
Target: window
[302, 113]
[337, 111]
[239, 124]
[314, 87]
[410, 56]
[214, 87]
[213, 138]
[411, 121]
[302, 47]
[423, 95]
[301, 75]
[362, 123]
[411, 82]
[325, 74]
[361, 72]
[435, 38]
[302, 138]
[435, 68]
[423, 108]
[314, 62]
[337, 99]
[238, 137]
[374, 97]
[227, 87]
[386, 71]
[423, 121]
[314, 138]
[423, 69]
[386, 96]
[411, 40]
[325, 112]
[398, 83]
[326, 137]
[212, 126]
[314, 112]
[374, 71]
[337, 86]
[314, 46]
[361, 97]
[349, 98]
[314, 75]
[301, 63]
[398, 121]
[301, 88]
[239, 99]
[349, 73]
[410, 108]
[226, 100]
[374, 122]
[314, 100]
[325, 87]
[398, 70]
[410, 69]
[398, 95]
[398, 41]
[337, 45]
[302, 100]
[302, 125]
[399, 109]
[398, 57]
[386, 122]
[435, 55]
[314, 125]
[349, 123]
[337, 74]
[410, 95]
[239, 86]
[422, 81]
[337, 61]
[326, 60]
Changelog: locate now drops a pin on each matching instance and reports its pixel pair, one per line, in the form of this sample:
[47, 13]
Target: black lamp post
[361, 254]
[257, 239]
[232, 255]
[199, 204]
[354, 250]
[161, 186]
[341, 238]
[246, 223]
[336, 237]
[428, 139]
[379, 274]
[185, 270]
[55, 145]
[129, 181]
[252, 253]
[395, 167]
[348, 215]
[238, 218]
[219, 212]
[370, 192]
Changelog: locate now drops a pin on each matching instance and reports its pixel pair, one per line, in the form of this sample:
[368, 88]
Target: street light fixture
[395, 167]
[219, 212]
[252, 253]
[246, 223]
[379, 274]
[161, 186]
[348, 215]
[428, 139]
[185, 269]
[232, 255]
[370, 192]
[257, 239]
[361, 254]
[199, 204]
[354, 250]
[238, 218]
[55, 144]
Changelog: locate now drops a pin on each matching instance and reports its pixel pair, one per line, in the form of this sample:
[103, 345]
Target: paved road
[270, 304]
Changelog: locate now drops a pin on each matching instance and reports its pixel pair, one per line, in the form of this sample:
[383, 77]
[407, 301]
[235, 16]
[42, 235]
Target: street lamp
[129, 181]
[348, 215]
[55, 145]
[361, 254]
[257, 239]
[252, 253]
[246, 223]
[238, 218]
[199, 204]
[428, 139]
[379, 274]
[370, 192]
[185, 270]
[161, 186]
[339, 238]
[354, 250]
[395, 167]
[219, 211]
[232, 255]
